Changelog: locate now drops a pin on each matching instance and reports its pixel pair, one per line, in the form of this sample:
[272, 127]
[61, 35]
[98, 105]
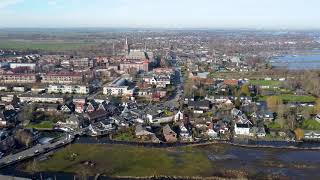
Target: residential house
[258, 131]
[242, 120]
[79, 107]
[91, 107]
[140, 131]
[169, 135]
[221, 127]
[47, 107]
[62, 78]
[9, 107]
[121, 122]
[235, 112]
[231, 82]
[184, 134]
[17, 78]
[211, 133]
[71, 89]
[40, 99]
[72, 122]
[112, 109]
[98, 115]
[158, 80]
[68, 107]
[8, 117]
[199, 106]
[268, 116]
[127, 66]
[242, 129]
[311, 135]
[118, 88]
[101, 128]
[178, 116]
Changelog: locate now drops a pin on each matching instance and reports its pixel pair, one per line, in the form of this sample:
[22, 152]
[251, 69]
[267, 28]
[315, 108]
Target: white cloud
[6, 3]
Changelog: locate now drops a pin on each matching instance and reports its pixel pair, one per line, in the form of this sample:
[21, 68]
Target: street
[35, 150]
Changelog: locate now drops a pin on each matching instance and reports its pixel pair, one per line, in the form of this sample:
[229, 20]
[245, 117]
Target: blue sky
[276, 14]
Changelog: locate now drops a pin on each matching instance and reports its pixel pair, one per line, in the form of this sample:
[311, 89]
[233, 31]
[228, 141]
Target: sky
[256, 14]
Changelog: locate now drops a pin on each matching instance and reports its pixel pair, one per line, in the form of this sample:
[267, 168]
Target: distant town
[170, 88]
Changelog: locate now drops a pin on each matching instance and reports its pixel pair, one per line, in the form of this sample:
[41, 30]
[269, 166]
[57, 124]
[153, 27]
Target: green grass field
[274, 125]
[121, 160]
[271, 83]
[42, 125]
[293, 98]
[45, 46]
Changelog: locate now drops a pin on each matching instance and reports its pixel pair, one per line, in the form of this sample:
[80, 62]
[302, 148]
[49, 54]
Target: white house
[159, 81]
[242, 129]
[31, 66]
[178, 116]
[18, 89]
[43, 99]
[211, 133]
[117, 88]
[76, 89]
[117, 91]
[184, 133]
[310, 134]
[3, 88]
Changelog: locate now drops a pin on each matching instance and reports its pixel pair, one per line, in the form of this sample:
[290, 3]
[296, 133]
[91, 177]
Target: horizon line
[168, 28]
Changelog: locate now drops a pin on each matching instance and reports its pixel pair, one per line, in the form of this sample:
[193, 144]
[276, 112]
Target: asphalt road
[35, 150]
[175, 101]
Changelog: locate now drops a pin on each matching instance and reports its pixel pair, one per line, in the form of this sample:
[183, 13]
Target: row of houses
[49, 78]
[71, 89]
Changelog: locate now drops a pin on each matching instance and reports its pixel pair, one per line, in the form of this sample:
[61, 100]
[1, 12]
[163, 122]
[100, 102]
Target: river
[294, 164]
[308, 60]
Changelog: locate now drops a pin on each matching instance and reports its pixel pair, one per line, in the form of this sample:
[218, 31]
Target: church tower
[126, 47]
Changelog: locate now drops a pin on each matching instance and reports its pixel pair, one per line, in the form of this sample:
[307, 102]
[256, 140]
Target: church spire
[126, 46]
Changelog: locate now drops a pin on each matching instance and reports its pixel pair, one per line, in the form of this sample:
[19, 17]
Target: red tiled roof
[230, 81]
[63, 74]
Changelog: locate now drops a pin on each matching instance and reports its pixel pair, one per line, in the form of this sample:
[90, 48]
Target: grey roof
[204, 103]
